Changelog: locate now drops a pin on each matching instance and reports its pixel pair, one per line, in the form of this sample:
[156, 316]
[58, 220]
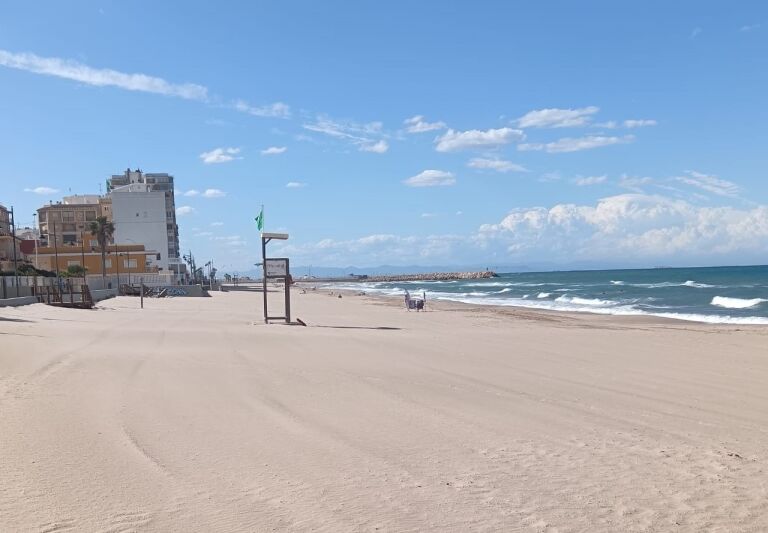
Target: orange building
[120, 259]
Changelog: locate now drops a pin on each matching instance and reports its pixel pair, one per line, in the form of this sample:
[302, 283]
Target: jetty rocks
[433, 276]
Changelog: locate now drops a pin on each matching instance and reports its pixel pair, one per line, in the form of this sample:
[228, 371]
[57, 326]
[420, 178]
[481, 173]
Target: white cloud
[639, 226]
[185, 210]
[633, 229]
[204, 234]
[378, 147]
[220, 155]
[274, 150]
[192, 192]
[459, 213]
[213, 193]
[367, 137]
[295, 185]
[710, 183]
[428, 215]
[609, 125]
[557, 118]
[749, 27]
[453, 140]
[590, 180]
[217, 224]
[550, 176]
[276, 110]
[74, 70]
[640, 123]
[499, 165]
[431, 178]
[42, 190]
[571, 144]
[634, 183]
[231, 240]
[417, 124]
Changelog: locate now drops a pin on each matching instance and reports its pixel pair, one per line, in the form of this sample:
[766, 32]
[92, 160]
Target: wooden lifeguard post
[275, 268]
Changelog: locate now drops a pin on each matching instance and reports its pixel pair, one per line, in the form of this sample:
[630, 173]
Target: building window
[80, 216]
[94, 243]
[73, 263]
[90, 216]
[129, 263]
[68, 216]
[108, 263]
[69, 239]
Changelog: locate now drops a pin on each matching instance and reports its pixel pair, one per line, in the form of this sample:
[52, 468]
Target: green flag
[260, 219]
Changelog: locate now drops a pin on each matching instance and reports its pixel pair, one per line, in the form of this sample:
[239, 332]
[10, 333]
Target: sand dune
[191, 415]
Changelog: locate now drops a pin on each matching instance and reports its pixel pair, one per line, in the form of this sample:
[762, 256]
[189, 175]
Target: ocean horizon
[715, 295]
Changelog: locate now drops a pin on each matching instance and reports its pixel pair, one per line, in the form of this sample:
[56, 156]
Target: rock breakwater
[433, 276]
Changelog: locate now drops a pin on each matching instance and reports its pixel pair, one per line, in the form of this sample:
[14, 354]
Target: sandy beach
[192, 415]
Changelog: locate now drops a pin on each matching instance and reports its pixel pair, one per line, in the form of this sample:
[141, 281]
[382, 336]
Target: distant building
[67, 223]
[120, 259]
[144, 211]
[5, 221]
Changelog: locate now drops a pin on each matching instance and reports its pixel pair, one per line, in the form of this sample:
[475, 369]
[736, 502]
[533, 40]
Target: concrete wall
[14, 302]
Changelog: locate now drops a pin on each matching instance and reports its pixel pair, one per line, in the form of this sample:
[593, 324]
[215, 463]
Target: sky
[555, 133]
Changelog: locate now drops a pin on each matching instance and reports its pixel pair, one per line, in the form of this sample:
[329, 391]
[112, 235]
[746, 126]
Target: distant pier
[431, 276]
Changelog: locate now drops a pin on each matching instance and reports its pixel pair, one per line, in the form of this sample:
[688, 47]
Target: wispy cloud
[76, 71]
[695, 32]
[639, 123]
[499, 165]
[710, 183]
[276, 110]
[378, 147]
[185, 210]
[431, 178]
[42, 190]
[453, 140]
[295, 185]
[428, 215]
[366, 137]
[571, 144]
[217, 224]
[634, 183]
[274, 150]
[590, 180]
[557, 118]
[417, 124]
[220, 155]
[749, 27]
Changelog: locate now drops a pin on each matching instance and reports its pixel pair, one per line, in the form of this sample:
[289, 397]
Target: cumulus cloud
[76, 71]
[431, 178]
[590, 180]
[710, 183]
[417, 124]
[453, 140]
[276, 110]
[185, 210]
[575, 144]
[499, 165]
[192, 192]
[213, 193]
[295, 185]
[639, 123]
[557, 118]
[42, 190]
[641, 229]
[274, 150]
[637, 226]
[220, 155]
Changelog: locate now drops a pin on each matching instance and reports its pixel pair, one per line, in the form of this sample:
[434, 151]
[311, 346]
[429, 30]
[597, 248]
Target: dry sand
[191, 415]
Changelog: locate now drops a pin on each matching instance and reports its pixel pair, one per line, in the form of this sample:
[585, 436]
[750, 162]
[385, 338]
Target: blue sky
[431, 133]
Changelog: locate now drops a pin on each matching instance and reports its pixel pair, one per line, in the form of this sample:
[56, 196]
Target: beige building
[120, 259]
[68, 222]
[5, 221]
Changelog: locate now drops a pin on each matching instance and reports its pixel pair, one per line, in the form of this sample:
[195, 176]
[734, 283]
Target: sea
[717, 295]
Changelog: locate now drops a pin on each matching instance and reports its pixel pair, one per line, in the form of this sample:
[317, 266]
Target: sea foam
[737, 303]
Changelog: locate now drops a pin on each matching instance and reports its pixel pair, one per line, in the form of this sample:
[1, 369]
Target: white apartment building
[144, 212]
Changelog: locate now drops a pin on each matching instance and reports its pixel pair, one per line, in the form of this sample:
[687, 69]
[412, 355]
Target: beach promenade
[192, 415]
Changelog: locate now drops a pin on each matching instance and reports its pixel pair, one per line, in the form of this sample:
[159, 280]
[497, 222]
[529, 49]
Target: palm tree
[103, 230]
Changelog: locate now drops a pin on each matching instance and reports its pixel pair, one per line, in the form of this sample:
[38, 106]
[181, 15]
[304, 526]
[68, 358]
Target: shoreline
[518, 311]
